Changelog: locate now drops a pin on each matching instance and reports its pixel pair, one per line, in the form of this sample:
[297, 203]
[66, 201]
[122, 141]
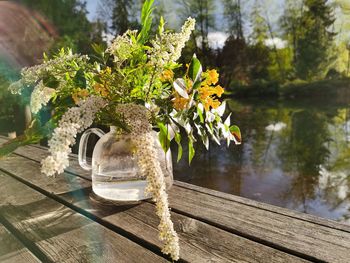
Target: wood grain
[62, 234]
[11, 250]
[319, 242]
[279, 210]
[37, 153]
[198, 241]
[310, 236]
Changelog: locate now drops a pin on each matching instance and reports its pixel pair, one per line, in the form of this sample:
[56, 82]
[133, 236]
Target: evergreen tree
[203, 12]
[159, 11]
[70, 21]
[315, 40]
[291, 24]
[123, 16]
[259, 27]
[233, 16]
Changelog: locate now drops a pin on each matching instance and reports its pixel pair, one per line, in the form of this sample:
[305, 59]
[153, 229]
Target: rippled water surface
[294, 155]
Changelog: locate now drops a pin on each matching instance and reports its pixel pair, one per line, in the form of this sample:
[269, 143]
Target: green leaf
[79, 79]
[98, 48]
[200, 114]
[179, 148]
[97, 79]
[50, 82]
[163, 136]
[10, 146]
[191, 150]
[34, 133]
[195, 69]
[236, 132]
[146, 21]
[161, 26]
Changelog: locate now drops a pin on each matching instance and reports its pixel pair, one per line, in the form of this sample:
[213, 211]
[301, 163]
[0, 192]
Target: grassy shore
[337, 89]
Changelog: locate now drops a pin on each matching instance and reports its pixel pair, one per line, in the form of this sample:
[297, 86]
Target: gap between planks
[230, 229]
[77, 171]
[274, 255]
[12, 249]
[54, 232]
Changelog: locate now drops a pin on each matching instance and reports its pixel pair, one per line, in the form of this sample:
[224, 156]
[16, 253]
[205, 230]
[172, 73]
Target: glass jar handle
[83, 147]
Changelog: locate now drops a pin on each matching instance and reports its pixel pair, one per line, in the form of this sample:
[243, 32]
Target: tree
[258, 23]
[70, 21]
[203, 12]
[315, 40]
[233, 16]
[291, 24]
[233, 61]
[258, 52]
[123, 16]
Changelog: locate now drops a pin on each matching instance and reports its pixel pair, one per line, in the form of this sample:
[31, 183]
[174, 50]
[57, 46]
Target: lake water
[293, 155]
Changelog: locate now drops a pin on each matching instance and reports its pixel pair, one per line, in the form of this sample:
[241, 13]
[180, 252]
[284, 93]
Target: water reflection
[294, 156]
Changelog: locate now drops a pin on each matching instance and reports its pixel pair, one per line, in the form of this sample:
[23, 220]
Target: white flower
[137, 118]
[168, 46]
[75, 120]
[41, 95]
[56, 67]
[33, 74]
[16, 87]
[122, 46]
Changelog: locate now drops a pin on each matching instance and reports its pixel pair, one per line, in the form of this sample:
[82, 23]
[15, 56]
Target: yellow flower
[79, 95]
[101, 90]
[219, 90]
[180, 103]
[166, 75]
[212, 77]
[210, 102]
[207, 95]
[107, 71]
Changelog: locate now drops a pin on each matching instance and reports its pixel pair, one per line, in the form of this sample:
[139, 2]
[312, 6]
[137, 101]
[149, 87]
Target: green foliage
[236, 133]
[146, 21]
[308, 27]
[164, 137]
[35, 132]
[69, 19]
[195, 70]
[233, 16]
[203, 12]
[122, 16]
[138, 71]
[191, 150]
[179, 146]
[259, 26]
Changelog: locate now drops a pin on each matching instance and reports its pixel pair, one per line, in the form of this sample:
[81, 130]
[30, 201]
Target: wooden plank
[37, 153]
[198, 240]
[279, 210]
[270, 225]
[276, 235]
[60, 233]
[11, 250]
[320, 242]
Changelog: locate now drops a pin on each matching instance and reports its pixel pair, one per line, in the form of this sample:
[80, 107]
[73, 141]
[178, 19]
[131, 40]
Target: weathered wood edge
[59, 234]
[142, 221]
[12, 250]
[304, 248]
[268, 207]
[76, 170]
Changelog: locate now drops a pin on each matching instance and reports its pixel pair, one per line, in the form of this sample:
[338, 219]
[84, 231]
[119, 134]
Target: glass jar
[115, 172]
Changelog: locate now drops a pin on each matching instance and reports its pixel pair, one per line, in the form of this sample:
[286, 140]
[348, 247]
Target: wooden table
[60, 220]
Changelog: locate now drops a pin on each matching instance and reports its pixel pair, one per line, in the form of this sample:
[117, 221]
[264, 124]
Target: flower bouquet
[137, 86]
